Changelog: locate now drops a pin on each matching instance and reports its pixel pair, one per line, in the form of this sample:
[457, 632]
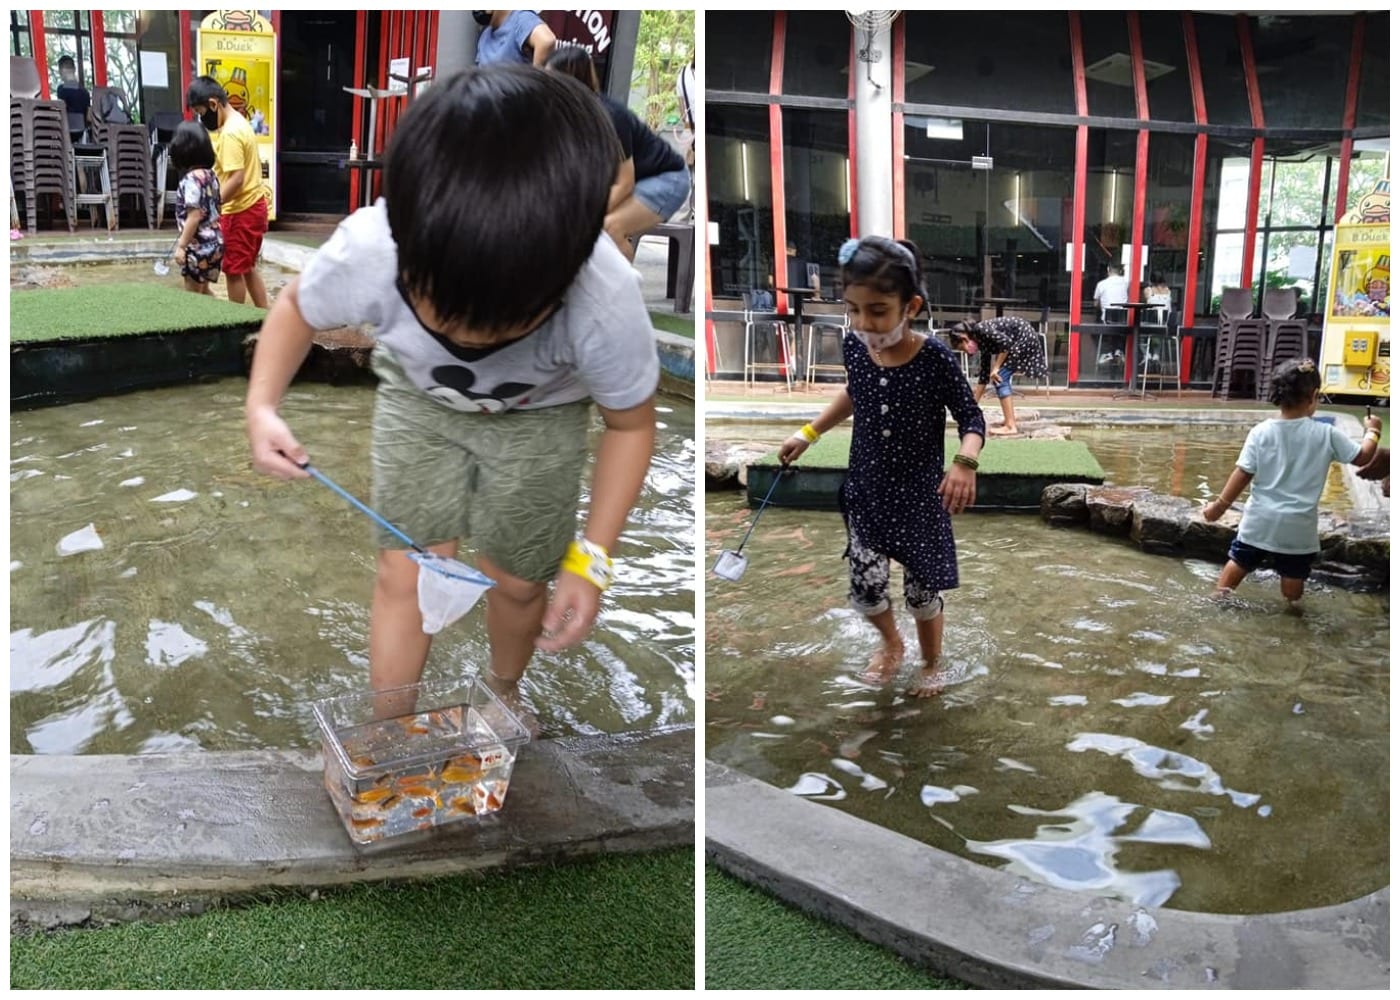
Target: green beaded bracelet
[965, 460]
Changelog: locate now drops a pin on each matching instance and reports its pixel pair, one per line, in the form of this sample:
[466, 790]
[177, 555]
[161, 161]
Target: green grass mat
[682, 326]
[614, 922]
[753, 941]
[119, 310]
[1015, 457]
[1359, 412]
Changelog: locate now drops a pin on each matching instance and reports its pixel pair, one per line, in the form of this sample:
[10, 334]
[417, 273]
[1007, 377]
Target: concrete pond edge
[994, 929]
[131, 833]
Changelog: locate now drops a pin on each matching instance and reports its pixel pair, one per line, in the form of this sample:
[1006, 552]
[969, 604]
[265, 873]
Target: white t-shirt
[1111, 291]
[599, 345]
[1289, 460]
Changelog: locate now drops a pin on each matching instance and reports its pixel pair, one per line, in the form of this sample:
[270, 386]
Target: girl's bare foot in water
[927, 683]
[509, 693]
[883, 665]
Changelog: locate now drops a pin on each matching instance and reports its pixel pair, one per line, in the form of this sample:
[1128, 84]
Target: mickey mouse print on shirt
[454, 387]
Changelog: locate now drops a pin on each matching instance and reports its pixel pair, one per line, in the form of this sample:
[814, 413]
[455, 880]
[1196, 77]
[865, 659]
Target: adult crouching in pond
[652, 182]
[1010, 346]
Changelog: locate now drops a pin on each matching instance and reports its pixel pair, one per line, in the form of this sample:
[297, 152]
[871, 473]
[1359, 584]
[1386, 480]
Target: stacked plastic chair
[41, 155]
[128, 156]
[1239, 348]
[1287, 337]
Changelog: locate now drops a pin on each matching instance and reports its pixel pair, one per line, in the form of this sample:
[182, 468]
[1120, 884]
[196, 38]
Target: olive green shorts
[509, 482]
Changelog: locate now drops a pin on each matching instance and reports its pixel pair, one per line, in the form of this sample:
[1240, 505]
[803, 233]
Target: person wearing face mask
[897, 499]
[244, 208]
[1009, 345]
[517, 36]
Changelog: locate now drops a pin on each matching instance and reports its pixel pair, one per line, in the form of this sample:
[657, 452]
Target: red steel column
[185, 42]
[775, 161]
[1358, 42]
[1256, 157]
[1195, 227]
[39, 46]
[99, 50]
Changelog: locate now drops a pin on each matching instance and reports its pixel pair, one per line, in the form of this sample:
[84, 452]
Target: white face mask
[880, 341]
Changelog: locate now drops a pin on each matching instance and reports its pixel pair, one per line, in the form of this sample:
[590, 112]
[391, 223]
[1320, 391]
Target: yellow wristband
[809, 434]
[1373, 435]
[590, 562]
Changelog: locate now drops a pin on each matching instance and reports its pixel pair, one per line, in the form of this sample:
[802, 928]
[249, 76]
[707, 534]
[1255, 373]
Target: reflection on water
[1105, 726]
[217, 603]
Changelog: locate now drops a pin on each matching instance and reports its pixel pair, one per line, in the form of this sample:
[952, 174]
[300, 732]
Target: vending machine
[1355, 355]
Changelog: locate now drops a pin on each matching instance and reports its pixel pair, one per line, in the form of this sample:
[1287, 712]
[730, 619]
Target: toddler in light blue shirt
[1284, 462]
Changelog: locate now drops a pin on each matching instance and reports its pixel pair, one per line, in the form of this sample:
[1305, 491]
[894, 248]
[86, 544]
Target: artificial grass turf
[753, 941]
[1013, 457]
[682, 326]
[119, 310]
[624, 921]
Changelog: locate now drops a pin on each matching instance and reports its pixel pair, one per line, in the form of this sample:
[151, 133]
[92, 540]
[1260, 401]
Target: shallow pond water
[1176, 459]
[222, 601]
[1105, 727]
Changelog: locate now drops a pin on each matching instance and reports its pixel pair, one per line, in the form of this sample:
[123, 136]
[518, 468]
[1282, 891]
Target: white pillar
[874, 138]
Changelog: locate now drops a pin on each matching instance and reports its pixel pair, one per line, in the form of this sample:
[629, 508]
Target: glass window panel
[1291, 189]
[1222, 69]
[740, 180]
[58, 19]
[817, 193]
[56, 46]
[120, 21]
[1291, 262]
[1168, 74]
[1024, 65]
[738, 50]
[1170, 168]
[122, 70]
[998, 232]
[1302, 63]
[1373, 104]
[1367, 170]
[1226, 191]
[20, 44]
[817, 55]
[1108, 66]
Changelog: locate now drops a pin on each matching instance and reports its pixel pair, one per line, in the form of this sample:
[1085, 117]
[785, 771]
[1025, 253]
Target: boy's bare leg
[1292, 593]
[514, 614]
[885, 663]
[1230, 577]
[398, 646]
[237, 288]
[257, 291]
[926, 683]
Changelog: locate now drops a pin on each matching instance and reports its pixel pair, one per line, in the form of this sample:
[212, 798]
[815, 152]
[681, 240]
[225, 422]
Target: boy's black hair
[190, 147]
[1115, 268]
[202, 90]
[1294, 383]
[1157, 278]
[496, 183]
[66, 62]
[574, 61]
[891, 267]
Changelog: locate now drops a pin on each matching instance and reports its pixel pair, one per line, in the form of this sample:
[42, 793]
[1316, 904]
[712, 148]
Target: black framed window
[989, 60]
[1108, 64]
[68, 33]
[816, 189]
[1302, 64]
[1166, 68]
[738, 50]
[20, 42]
[741, 200]
[1373, 104]
[1171, 163]
[817, 54]
[1223, 219]
[122, 28]
[1222, 69]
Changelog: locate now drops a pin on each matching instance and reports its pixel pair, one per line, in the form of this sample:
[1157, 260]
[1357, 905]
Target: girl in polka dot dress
[896, 499]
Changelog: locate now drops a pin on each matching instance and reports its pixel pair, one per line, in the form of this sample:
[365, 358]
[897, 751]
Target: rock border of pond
[1355, 552]
[91, 369]
[994, 929]
[100, 838]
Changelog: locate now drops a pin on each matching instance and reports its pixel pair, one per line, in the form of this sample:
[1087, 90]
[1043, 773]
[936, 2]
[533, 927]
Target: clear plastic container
[416, 757]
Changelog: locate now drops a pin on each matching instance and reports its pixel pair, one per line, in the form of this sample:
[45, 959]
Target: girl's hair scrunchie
[847, 251]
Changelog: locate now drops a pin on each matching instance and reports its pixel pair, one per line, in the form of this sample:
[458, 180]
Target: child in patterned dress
[199, 250]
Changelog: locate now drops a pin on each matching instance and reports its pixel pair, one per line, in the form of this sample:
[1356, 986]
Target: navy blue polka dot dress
[890, 497]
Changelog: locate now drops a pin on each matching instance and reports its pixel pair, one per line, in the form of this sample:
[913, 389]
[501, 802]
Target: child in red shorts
[245, 197]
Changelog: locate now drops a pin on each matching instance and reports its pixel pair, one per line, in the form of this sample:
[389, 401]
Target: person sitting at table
[1111, 292]
[652, 181]
[1009, 345]
[1158, 295]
